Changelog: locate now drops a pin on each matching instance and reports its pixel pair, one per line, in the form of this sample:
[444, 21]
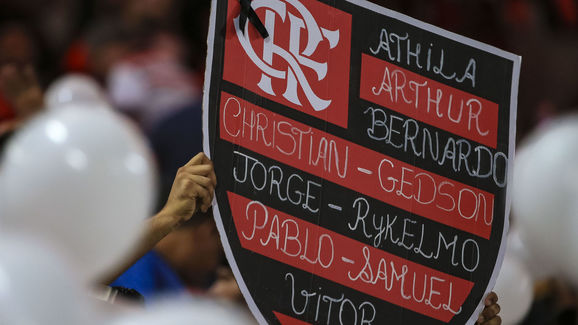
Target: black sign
[363, 160]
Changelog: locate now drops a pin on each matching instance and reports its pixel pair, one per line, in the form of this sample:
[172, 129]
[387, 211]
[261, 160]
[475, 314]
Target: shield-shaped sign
[363, 159]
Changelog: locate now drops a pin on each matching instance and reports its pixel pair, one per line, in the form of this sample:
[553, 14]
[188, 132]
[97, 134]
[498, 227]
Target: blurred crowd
[148, 57]
[145, 59]
[150, 54]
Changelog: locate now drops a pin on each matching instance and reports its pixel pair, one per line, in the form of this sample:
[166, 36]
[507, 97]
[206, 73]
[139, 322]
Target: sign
[363, 159]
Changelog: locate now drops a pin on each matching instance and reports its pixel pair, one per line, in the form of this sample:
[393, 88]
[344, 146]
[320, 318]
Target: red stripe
[340, 259]
[402, 97]
[358, 168]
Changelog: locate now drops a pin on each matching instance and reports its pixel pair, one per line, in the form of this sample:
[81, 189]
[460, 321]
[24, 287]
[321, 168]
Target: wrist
[167, 218]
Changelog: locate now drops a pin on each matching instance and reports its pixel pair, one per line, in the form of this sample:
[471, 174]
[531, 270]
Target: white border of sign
[516, 60]
[207, 149]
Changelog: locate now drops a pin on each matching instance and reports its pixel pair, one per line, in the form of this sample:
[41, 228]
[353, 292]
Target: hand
[193, 188]
[489, 316]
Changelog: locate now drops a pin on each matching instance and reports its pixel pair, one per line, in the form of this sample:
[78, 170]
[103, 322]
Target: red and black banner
[363, 160]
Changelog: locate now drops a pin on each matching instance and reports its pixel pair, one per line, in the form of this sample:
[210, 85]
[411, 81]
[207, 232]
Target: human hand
[489, 316]
[193, 188]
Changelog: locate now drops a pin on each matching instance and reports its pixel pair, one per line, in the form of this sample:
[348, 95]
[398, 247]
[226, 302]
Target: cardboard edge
[442, 32]
[207, 149]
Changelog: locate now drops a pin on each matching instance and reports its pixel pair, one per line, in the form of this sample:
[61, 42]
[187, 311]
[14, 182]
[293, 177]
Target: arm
[193, 189]
[489, 316]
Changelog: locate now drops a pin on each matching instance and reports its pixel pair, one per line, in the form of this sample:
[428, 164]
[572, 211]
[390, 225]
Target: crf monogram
[294, 57]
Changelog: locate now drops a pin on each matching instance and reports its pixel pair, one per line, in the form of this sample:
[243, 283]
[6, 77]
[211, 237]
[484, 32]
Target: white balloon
[75, 88]
[539, 267]
[36, 287]
[568, 256]
[515, 291]
[82, 179]
[545, 191]
[186, 312]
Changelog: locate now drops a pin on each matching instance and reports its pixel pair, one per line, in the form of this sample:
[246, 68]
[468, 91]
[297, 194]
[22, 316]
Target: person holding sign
[193, 190]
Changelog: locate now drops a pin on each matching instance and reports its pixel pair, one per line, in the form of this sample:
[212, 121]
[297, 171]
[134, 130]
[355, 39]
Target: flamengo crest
[295, 57]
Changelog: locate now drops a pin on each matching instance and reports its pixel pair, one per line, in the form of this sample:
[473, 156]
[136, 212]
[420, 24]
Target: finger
[200, 195]
[491, 311]
[206, 198]
[491, 299]
[204, 181]
[213, 177]
[197, 159]
[481, 319]
[186, 173]
[204, 170]
[494, 321]
[207, 161]
[193, 182]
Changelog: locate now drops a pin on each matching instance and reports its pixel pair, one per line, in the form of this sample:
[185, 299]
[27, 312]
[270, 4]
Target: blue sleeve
[139, 277]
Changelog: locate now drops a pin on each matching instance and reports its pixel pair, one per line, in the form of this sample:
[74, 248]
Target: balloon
[538, 266]
[568, 256]
[74, 88]
[82, 179]
[185, 312]
[545, 193]
[37, 288]
[515, 290]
